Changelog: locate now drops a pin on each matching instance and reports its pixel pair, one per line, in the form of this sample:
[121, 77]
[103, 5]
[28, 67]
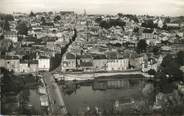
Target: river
[102, 94]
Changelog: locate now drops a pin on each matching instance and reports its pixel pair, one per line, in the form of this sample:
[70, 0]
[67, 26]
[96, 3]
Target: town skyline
[143, 7]
[92, 58]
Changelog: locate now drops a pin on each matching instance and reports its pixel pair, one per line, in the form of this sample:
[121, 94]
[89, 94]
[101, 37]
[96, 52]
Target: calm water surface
[34, 100]
[103, 94]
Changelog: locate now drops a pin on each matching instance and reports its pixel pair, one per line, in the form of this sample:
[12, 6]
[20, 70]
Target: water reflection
[34, 101]
[101, 93]
[114, 84]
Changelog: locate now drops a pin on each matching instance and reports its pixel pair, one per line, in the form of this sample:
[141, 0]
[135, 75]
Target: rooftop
[85, 56]
[147, 31]
[44, 57]
[99, 56]
[10, 33]
[70, 56]
[86, 64]
[111, 55]
[11, 57]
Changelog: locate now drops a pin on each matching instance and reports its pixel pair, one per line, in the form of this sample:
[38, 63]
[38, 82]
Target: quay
[91, 75]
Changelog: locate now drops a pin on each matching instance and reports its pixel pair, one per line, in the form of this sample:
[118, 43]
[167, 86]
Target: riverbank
[92, 75]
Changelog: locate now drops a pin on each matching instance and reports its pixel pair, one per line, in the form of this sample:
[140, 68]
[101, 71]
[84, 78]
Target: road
[55, 95]
[56, 105]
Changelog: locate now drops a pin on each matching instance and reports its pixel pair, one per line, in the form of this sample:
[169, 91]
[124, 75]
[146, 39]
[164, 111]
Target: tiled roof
[70, 56]
[10, 33]
[33, 62]
[29, 61]
[86, 56]
[111, 55]
[86, 64]
[99, 56]
[11, 57]
[44, 57]
[147, 31]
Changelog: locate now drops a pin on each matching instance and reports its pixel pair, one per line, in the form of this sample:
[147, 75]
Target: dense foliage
[22, 28]
[7, 17]
[170, 72]
[141, 46]
[110, 23]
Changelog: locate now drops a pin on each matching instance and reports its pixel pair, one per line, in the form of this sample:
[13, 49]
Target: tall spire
[87, 28]
[84, 12]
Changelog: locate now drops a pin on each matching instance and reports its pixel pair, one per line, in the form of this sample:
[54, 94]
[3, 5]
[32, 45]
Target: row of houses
[13, 63]
[98, 62]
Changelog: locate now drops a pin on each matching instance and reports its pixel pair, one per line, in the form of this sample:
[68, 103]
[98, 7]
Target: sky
[147, 7]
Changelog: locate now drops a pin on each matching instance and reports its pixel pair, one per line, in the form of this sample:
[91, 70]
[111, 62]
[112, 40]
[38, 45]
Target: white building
[44, 63]
[117, 64]
[160, 23]
[68, 62]
[33, 66]
[150, 65]
[24, 67]
[12, 63]
[137, 61]
[149, 34]
[44, 100]
[11, 36]
[42, 90]
[2, 62]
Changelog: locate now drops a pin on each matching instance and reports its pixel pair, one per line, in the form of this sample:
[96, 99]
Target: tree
[50, 13]
[6, 17]
[165, 27]
[141, 46]
[180, 58]
[168, 74]
[6, 25]
[43, 20]
[11, 83]
[171, 69]
[57, 18]
[132, 17]
[6, 45]
[156, 50]
[9, 17]
[98, 20]
[164, 85]
[167, 20]
[149, 24]
[22, 28]
[120, 14]
[151, 72]
[168, 58]
[136, 30]
[112, 22]
[1, 37]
